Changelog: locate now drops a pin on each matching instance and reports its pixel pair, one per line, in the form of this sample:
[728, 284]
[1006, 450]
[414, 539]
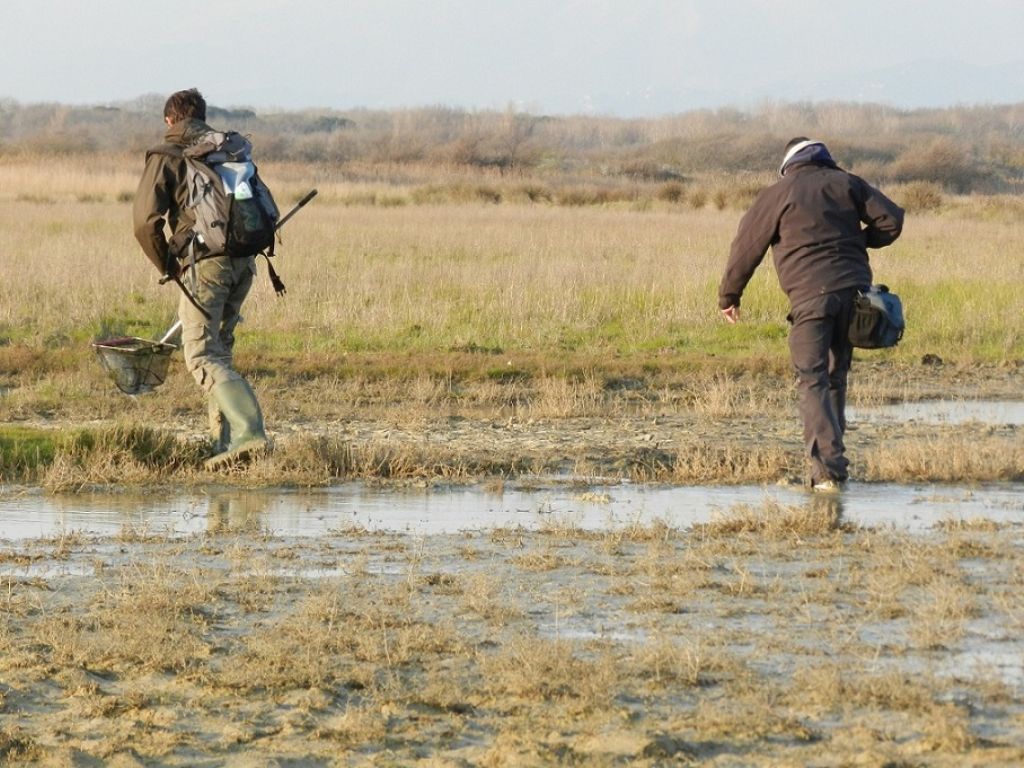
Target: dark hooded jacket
[819, 221]
[161, 197]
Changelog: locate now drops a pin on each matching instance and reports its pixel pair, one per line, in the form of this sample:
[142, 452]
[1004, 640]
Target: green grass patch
[979, 318]
[149, 447]
[29, 453]
[24, 449]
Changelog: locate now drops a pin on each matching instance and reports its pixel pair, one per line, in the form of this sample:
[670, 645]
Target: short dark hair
[183, 105]
[794, 141]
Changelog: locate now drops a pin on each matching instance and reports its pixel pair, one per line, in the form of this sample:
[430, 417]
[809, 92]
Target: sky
[609, 57]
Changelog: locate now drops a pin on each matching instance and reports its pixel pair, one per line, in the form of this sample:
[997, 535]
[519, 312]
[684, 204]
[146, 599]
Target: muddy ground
[609, 423]
[773, 636]
[704, 427]
[691, 429]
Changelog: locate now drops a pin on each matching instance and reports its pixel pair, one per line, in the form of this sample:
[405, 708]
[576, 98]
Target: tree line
[963, 149]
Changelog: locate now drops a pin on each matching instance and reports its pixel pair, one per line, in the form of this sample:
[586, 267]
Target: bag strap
[275, 279]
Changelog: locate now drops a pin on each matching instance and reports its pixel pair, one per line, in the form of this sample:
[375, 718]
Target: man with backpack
[201, 185]
[819, 221]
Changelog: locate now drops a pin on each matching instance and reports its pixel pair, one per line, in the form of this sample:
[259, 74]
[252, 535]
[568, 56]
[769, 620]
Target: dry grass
[413, 444]
[499, 280]
[949, 459]
[532, 649]
[530, 669]
[774, 521]
[460, 339]
[430, 334]
[153, 619]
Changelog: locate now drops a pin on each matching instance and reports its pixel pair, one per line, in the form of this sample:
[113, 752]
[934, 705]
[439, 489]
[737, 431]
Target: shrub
[942, 162]
[533, 193]
[435, 194]
[593, 195]
[918, 196]
[649, 170]
[673, 192]
[487, 194]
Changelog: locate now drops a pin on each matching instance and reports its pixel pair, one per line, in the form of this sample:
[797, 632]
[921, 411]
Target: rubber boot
[220, 427]
[239, 406]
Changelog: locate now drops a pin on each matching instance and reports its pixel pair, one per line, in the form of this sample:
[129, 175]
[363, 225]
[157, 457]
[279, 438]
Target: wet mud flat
[769, 634]
[918, 424]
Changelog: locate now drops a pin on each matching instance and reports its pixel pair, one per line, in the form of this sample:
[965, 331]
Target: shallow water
[1001, 412]
[446, 510]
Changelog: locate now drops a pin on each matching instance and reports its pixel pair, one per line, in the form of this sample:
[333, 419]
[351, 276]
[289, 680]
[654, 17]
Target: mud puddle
[989, 412]
[447, 510]
[316, 625]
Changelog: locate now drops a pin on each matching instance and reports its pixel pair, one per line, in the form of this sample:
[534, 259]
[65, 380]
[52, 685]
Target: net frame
[135, 365]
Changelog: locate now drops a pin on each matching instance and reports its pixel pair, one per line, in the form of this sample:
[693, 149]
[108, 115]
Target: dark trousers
[820, 349]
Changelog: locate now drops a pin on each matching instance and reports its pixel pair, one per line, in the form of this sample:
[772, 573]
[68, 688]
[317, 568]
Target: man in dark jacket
[220, 286]
[819, 221]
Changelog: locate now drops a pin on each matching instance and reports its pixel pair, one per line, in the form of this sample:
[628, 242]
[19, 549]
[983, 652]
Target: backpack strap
[275, 279]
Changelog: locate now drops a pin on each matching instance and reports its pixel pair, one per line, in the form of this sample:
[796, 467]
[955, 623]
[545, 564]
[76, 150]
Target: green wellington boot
[239, 407]
[220, 427]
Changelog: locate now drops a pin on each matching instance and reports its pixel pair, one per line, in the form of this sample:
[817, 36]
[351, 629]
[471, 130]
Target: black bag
[877, 320]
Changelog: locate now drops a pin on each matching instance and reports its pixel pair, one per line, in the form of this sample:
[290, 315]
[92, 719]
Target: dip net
[136, 365]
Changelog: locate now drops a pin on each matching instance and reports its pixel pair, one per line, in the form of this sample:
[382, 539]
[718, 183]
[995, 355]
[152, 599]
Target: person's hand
[731, 314]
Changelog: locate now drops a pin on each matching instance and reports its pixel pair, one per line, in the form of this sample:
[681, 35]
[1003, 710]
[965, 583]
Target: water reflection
[446, 510]
[993, 412]
[237, 513]
[829, 506]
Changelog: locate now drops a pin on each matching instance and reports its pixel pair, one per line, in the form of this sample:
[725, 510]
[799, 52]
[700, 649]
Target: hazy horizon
[611, 57]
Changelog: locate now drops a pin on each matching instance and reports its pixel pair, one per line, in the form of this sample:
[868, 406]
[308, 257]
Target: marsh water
[935, 609]
[585, 503]
[1003, 412]
[451, 509]
[591, 504]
